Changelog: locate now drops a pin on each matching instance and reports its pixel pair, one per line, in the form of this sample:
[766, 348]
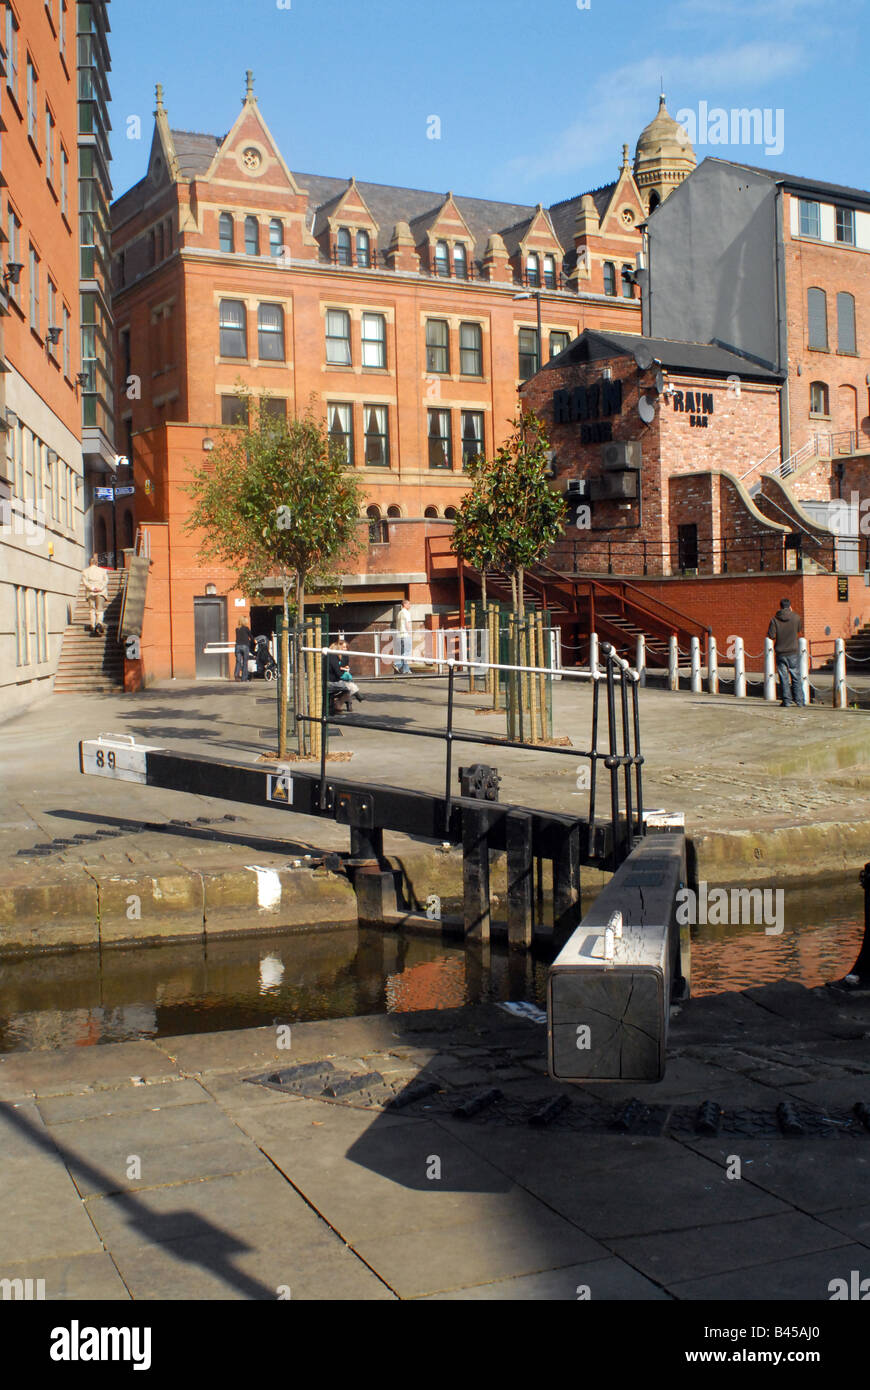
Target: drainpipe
[782, 328]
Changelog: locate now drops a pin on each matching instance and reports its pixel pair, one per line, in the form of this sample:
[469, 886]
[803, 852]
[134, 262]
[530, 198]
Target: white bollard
[841, 698]
[377, 653]
[640, 659]
[769, 670]
[593, 654]
[673, 664]
[804, 667]
[696, 666]
[739, 668]
[712, 666]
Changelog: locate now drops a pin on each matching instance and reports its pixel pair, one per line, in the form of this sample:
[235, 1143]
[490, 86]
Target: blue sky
[535, 97]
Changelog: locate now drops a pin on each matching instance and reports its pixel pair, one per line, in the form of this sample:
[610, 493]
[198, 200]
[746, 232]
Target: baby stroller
[261, 661]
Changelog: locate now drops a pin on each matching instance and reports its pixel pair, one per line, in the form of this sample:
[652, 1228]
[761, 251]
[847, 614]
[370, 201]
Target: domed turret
[663, 158]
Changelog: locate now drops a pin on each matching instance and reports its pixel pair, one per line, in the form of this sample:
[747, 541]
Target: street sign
[124, 491]
[103, 494]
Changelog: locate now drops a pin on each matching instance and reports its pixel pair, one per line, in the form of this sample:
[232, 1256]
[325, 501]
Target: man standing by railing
[784, 631]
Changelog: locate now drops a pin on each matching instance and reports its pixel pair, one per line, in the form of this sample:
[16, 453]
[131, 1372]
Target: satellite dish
[660, 382]
[644, 358]
[646, 410]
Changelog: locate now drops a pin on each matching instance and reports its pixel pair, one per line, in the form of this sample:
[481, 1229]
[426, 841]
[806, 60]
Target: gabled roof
[706, 359]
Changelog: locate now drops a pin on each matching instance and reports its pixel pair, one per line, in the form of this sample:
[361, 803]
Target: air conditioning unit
[621, 454]
[576, 489]
[614, 487]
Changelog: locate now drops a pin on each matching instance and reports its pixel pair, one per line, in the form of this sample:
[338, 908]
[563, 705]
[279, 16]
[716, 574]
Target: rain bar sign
[587, 404]
[698, 405]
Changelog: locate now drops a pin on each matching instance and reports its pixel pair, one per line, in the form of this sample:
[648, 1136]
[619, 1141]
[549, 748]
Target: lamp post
[536, 295]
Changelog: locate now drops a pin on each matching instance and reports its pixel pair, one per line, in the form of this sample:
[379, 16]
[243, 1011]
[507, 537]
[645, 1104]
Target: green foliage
[510, 517]
[275, 500]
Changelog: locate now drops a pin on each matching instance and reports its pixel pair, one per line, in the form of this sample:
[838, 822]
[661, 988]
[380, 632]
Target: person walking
[96, 581]
[784, 630]
[243, 650]
[404, 627]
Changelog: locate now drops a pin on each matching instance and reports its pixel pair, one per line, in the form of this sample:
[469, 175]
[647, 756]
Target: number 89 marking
[102, 761]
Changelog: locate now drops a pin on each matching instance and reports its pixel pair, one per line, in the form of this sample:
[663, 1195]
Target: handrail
[643, 603]
[777, 448]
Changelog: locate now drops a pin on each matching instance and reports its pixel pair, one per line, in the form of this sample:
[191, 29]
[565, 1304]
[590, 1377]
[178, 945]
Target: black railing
[725, 555]
[623, 728]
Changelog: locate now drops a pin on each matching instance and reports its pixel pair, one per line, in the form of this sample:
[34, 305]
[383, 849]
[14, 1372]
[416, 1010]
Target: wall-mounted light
[82, 379]
[12, 273]
[53, 335]
[53, 456]
[51, 550]
[208, 444]
[11, 419]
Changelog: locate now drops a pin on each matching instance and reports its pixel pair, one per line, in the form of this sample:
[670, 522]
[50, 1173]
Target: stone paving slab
[246, 1190]
[71, 1278]
[602, 1280]
[798, 1278]
[675, 1256]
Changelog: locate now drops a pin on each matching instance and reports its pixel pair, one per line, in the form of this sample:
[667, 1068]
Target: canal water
[118, 995]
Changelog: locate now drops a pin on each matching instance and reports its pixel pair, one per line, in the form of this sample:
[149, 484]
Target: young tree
[275, 500]
[510, 516]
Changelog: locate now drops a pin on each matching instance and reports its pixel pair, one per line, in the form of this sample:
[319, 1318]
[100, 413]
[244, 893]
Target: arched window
[342, 247]
[550, 272]
[817, 319]
[442, 258]
[609, 277]
[225, 231]
[431, 513]
[378, 532]
[819, 403]
[449, 513]
[654, 201]
[533, 269]
[394, 512]
[276, 237]
[363, 250]
[846, 323]
[252, 236]
[460, 261]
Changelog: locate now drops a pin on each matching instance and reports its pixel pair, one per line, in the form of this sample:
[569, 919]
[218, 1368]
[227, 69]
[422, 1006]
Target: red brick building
[409, 318]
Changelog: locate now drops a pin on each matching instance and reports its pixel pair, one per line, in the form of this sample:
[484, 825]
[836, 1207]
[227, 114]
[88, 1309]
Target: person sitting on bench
[341, 692]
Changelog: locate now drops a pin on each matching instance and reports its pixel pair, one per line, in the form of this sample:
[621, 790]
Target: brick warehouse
[409, 317]
[650, 440]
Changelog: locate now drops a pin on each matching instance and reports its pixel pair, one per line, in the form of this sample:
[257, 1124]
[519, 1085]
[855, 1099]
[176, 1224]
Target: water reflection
[87, 998]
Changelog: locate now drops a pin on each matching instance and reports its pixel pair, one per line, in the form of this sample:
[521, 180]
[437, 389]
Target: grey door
[209, 625]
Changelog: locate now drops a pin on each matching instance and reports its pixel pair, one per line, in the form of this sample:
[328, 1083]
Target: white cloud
[621, 102]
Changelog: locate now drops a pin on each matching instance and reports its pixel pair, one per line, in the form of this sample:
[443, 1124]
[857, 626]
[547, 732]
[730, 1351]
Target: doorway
[209, 625]
[687, 546]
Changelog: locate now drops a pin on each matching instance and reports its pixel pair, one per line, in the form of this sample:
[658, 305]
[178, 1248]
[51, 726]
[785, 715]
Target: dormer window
[225, 231]
[550, 272]
[533, 270]
[252, 236]
[343, 253]
[442, 258]
[609, 277]
[460, 261]
[363, 250]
